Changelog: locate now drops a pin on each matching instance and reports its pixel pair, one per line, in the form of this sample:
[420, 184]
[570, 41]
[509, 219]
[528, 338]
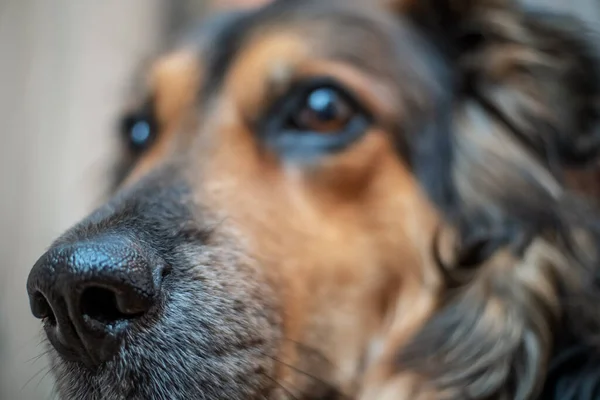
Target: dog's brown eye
[315, 118]
[325, 110]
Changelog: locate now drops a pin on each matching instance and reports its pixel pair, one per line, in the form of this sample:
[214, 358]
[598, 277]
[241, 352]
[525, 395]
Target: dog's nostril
[101, 305]
[165, 271]
[40, 306]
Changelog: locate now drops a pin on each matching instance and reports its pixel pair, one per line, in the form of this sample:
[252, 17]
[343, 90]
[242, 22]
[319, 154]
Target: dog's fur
[449, 252]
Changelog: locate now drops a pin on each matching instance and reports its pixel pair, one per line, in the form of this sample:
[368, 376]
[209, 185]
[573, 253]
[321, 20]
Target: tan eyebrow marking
[264, 68]
[173, 82]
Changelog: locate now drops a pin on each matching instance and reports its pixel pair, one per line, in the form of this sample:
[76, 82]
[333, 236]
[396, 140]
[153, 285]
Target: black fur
[497, 198]
[517, 198]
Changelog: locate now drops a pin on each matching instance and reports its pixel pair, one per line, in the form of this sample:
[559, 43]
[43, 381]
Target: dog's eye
[314, 118]
[139, 131]
[325, 110]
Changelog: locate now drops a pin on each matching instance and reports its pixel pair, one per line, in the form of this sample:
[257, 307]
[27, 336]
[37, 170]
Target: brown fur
[473, 106]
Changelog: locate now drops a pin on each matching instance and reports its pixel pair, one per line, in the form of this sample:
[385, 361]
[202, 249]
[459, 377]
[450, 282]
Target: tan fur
[173, 83]
[346, 242]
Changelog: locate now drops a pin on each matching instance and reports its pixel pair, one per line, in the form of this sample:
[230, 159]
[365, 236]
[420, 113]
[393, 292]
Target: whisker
[308, 375]
[36, 358]
[50, 370]
[52, 395]
[217, 225]
[54, 392]
[34, 376]
[290, 394]
[311, 350]
[28, 343]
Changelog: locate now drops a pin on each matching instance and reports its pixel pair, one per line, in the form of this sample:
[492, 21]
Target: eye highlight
[313, 119]
[139, 130]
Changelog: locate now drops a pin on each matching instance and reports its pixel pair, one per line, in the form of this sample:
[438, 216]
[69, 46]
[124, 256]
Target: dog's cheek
[406, 387]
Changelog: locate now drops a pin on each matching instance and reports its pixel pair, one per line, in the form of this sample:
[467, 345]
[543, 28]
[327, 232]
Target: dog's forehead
[347, 31]
[366, 34]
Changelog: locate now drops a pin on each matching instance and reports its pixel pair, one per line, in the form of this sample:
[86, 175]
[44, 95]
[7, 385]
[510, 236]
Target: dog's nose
[89, 292]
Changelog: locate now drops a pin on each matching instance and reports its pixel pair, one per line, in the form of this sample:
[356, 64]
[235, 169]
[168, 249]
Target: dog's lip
[77, 354]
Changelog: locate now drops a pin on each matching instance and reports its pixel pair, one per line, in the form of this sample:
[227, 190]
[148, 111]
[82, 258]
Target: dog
[351, 199]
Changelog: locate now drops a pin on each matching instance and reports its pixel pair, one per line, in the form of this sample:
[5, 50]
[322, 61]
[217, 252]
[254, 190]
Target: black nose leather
[88, 293]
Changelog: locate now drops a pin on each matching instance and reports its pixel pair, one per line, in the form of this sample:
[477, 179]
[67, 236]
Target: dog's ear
[523, 104]
[548, 62]
[455, 20]
[523, 97]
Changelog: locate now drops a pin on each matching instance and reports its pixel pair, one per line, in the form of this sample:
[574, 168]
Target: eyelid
[304, 86]
[375, 96]
[297, 92]
[146, 109]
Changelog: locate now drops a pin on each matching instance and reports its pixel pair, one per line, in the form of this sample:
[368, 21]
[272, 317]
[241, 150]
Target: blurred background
[64, 72]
